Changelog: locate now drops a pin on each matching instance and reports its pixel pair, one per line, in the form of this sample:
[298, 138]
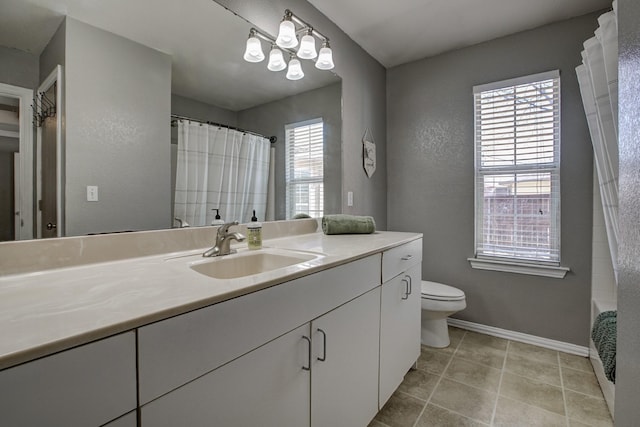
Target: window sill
[555, 272]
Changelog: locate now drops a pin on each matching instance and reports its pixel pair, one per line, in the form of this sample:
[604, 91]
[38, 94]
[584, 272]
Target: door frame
[25, 198]
[54, 77]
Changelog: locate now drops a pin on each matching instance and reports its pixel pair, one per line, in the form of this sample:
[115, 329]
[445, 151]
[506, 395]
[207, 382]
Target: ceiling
[205, 41]
[399, 31]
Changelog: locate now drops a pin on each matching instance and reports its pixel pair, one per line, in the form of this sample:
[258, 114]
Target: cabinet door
[399, 329]
[344, 383]
[84, 386]
[266, 387]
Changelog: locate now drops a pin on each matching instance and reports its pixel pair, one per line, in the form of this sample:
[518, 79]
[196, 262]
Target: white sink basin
[250, 263]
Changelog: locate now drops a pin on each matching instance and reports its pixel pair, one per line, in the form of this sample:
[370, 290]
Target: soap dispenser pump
[217, 220]
[254, 233]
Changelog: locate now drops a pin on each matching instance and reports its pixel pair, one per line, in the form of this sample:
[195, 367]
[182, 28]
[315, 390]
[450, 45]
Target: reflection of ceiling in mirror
[205, 40]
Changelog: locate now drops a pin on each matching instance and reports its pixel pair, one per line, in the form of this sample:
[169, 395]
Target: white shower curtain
[220, 168]
[598, 78]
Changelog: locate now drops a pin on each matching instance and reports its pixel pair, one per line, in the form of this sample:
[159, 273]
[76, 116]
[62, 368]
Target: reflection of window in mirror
[304, 144]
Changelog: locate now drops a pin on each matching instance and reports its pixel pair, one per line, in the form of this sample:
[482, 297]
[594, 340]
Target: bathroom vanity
[151, 341]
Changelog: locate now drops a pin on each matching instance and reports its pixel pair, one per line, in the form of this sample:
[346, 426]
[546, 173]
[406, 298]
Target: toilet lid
[440, 292]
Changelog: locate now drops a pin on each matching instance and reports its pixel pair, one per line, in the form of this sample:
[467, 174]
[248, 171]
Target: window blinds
[517, 138]
[304, 168]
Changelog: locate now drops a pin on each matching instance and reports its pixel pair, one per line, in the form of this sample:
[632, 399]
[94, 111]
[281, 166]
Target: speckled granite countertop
[48, 311]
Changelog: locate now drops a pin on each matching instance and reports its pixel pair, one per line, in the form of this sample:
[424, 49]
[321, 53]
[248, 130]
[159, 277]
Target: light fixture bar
[306, 26]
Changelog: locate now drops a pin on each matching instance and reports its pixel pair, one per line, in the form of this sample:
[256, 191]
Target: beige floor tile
[435, 416]
[583, 382]
[433, 361]
[539, 371]
[474, 352]
[590, 410]
[455, 335]
[575, 362]
[465, 400]
[473, 374]
[483, 340]
[510, 413]
[533, 352]
[419, 384]
[532, 392]
[375, 423]
[574, 423]
[401, 410]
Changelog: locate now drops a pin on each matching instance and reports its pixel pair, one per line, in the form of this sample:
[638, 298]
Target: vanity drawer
[175, 351]
[401, 258]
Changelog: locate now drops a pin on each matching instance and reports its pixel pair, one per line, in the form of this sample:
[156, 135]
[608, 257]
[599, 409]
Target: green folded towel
[604, 339]
[348, 224]
[300, 216]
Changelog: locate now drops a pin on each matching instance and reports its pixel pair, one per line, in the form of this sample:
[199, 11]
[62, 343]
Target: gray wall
[18, 68]
[118, 103]
[270, 119]
[54, 53]
[431, 180]
[363, 100]
[199, 110]
[627, 411]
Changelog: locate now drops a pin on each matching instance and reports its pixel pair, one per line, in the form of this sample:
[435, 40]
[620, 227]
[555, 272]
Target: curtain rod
[272, 139]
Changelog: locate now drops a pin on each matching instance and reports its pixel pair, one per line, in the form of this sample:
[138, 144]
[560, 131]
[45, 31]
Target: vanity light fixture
[290, 28]
[253, 52]
[294, 72]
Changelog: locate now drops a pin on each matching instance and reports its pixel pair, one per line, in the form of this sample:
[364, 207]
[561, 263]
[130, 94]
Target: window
[304, 168]
[517, 170]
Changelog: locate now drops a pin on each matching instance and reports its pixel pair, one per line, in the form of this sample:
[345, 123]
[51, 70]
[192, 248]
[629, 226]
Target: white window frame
[291, 182]
[484, 258]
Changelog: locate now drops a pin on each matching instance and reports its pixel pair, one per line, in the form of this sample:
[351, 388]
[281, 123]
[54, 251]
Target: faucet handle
[224, 228]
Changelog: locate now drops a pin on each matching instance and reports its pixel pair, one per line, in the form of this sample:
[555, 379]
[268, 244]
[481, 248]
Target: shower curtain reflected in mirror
[220, 168]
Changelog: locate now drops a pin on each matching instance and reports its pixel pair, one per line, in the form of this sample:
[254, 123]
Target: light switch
[92, 193]
[350, 198]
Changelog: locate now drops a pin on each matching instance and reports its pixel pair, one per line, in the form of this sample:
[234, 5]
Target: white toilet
[438, 302]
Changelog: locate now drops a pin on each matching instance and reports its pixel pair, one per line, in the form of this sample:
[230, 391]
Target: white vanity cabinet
[400, 315]
[344, 364]
[89, 385]
[240, 362]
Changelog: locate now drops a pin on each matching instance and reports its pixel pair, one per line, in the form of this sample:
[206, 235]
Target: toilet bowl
[438, 302]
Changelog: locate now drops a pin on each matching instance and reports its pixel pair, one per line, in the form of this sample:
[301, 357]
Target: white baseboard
[520, 337]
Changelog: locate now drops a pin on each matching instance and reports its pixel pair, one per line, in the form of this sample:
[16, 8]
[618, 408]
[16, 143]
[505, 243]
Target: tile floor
[480, 380]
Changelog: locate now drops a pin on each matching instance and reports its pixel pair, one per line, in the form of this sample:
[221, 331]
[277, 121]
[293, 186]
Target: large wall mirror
[126, 69]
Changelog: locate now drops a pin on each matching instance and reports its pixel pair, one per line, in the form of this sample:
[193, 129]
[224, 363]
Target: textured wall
[430, 159]
[627, 411]
[363, 100]
[271, 118]
[18, 68]
[118, 103]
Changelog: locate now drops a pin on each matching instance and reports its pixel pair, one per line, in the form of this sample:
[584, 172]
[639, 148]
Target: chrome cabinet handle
[406, 294]
[308, 368]
[410, 284]
[407, 257]
[324, 346]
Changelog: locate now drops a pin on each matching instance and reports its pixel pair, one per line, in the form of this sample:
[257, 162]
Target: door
[399, 329]
[48, 178]
[344, 382]
[266, 387]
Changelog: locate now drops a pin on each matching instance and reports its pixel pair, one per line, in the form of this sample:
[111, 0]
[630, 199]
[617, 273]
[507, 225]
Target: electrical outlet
[350, 198]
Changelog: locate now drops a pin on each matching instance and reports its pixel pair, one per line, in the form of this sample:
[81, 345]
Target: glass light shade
[295, 70]
[325, 59]
[307, 47]
[276, 60]
[287, 35]
[253, 52]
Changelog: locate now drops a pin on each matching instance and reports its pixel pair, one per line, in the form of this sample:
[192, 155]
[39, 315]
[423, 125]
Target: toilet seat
[440, 292]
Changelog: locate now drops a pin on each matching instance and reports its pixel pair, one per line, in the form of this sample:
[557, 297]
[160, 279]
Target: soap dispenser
[254, 233]
[217, 220]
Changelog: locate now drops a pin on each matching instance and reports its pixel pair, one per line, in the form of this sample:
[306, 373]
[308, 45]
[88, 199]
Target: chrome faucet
[223, 240]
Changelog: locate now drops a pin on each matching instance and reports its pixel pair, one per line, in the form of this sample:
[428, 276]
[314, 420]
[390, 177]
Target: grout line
[504, 365]
[435, 387]
[462, 415]
[564, 397]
